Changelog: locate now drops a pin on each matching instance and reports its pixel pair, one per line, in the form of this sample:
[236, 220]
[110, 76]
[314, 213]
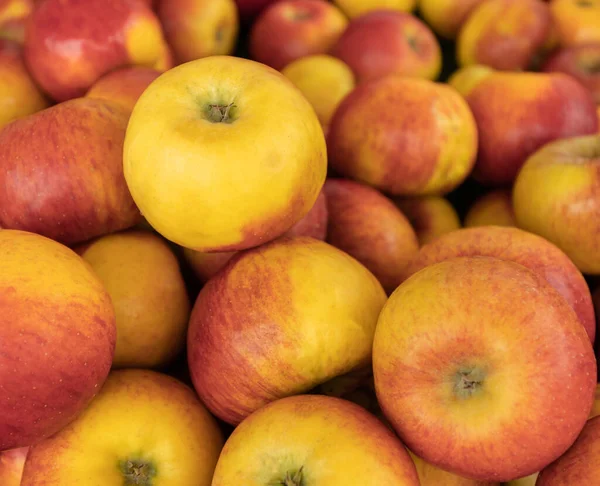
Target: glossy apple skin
[50, 301]
[13, 19]
[430, 216]
[494, 208]
[489, 357]
[11, 466]
[513, 244]
[517, 113]
[63, 172]
[446, 17]
[389, 42]
[70, 44]
[576, 21]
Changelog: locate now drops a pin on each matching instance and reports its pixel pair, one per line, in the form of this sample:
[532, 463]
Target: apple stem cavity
[468, 382]
[220, 113]
[293, 479]
[137, 472]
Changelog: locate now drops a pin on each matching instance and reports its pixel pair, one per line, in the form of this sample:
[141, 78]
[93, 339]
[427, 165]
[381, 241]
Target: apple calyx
[220, 113]
[468, 382]
[293, 479]
[138, 472]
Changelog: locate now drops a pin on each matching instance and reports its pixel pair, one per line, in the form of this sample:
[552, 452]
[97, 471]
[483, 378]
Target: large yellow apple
[143, 429]
[223, 154]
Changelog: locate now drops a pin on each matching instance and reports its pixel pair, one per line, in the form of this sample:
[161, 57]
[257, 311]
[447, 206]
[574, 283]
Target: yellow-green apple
[142, 276]
[144, 428]
[466, 78]
[199, 28]
[430, 216]
[388, 42]
[488, 355]
[424, 144]
[123, 86]
[430, 475]
[556, 195]
[580, 464]
[356, 8]
[446, 17]
[529, 480]
[581, 62]
[504, 34]
[292, 29]
[324, 80]
[11, 466]
[517, 113]
[384, 244]
[577, 22]
[279, 320]
[312, 439]
[57, 335]
[494, 208]
[249, 9]
[62, 172]
[19, 95]
[187, 136]
[70, 44]
[13, 18]
[512, 244]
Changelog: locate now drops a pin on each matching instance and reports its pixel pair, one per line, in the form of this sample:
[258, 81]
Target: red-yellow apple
[62, 172]
[517, 113]
[11, 466]
[446, 17]
[13, 18]
[489, 357]
[512, 244]
[70, 44]
[596, 406]
[577, 22]
[423, 143]
[466, 78]
[144, 428]
[292, 29]
[357, 8]
[57, 335]
[494, 208]
[186, 140]
[430, 475]
[312, 439]
[388, 42]
[279, 320]
[199, 28]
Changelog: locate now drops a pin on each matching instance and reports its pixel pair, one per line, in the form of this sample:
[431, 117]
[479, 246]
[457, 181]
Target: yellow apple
[430, 216]
[446, 17]
[492, 209]
[466, 78]
[356, 8]
[430, 475]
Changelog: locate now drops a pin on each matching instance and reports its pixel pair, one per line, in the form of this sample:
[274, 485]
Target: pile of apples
[299, 242]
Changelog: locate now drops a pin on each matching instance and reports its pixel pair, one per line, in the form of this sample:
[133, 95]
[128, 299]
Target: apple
[308, 314]
[20, 95]
[512, 244]
[142, 276]
[423, 143]
[446, 17]
[581, 62]
[199, 28]
[292, 29]
[186, 140]
[517, 113]
[356, 8]
[384, 244]
[249, 9]
[70, 44]
[13, 18]
[324, 81]
[57, 335]
[504, 34]
[487, 356]
[143, 428]
[494, 208]
[579, 465]
[62, 172]
[388, 42]
[529, 480]
[555, 196]
[312, 439]
[576, 21]
[430, 475]
[123, 86]
[430, 216]
[466, 78]
[11, 466]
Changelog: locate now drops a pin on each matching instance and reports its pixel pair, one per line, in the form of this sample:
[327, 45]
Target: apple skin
[292, 29]
[513, 244]
[142, 416]
[20, 95]
[466, 78]
[430, 475]
[108, 34]
[199, 28]
[430, 216]
[357, 8]
[50, 301]
[388, 42]
[11, 466]
[489, 357]
[529, 480]
[332, 441]
[579, 465]
[384, 244]
[312, 318]
[13, 19]
[556, 195]
[123, 86]
[63, 174]
[494, 208]
[425, 143]
[446, 17]
[576, 21]
[504, 34]
[596, 407]
[581, 62]
[517, 113]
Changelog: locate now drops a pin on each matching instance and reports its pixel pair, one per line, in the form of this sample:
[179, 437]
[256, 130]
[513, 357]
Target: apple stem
[293, 479]
[220, 113]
